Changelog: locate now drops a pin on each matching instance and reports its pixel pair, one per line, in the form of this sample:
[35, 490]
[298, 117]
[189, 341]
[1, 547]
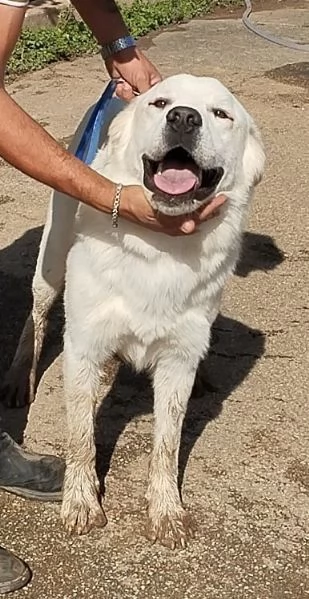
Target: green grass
[70, 38]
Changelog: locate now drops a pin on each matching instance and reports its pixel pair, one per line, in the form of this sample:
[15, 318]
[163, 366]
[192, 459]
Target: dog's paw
[17, 389]
[80, 517]
[172, 530]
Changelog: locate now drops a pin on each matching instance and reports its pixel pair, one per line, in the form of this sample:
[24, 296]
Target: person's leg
[14, 573]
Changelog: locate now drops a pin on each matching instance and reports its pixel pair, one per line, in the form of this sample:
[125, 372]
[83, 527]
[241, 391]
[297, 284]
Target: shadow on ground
[17, 266]
[234, 351]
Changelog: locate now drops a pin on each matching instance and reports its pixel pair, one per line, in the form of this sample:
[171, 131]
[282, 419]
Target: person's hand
[137, 72]
[135, 207]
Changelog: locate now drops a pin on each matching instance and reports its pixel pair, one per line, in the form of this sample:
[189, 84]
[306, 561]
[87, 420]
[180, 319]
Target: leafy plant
[70, 38]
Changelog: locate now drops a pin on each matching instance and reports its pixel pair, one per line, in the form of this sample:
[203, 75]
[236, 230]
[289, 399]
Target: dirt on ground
[244, 457]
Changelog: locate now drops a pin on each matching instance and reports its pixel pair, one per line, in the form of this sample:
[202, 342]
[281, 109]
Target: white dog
[147, 297]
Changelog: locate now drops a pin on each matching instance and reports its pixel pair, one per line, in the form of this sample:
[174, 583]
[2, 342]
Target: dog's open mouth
[177, 175]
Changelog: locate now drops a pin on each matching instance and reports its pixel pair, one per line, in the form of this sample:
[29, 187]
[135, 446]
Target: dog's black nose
[182, 119]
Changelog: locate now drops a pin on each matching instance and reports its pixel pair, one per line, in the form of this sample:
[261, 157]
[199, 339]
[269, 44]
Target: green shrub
[70, 38]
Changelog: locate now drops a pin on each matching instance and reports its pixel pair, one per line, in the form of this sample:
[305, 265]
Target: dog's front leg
[81, 508]
[168, 521]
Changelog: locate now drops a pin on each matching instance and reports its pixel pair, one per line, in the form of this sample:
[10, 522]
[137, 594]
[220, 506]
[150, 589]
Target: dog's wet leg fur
[81, 508]
[168, 522]
[18, 388]
[19, 384]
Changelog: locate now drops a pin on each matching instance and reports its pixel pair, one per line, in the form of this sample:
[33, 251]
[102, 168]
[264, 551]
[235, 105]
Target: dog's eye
[220, 114]
[160, 103]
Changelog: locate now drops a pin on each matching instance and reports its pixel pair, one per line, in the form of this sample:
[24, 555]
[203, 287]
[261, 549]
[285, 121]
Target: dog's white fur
[149, 297]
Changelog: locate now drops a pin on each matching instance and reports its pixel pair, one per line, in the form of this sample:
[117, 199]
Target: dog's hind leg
[81, 509]
[18, 388]
[19, 384]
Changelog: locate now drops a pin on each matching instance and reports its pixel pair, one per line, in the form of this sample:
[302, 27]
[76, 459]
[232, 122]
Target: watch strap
[122, 43]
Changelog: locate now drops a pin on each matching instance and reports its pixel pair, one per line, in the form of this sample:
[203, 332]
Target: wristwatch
[122, 43]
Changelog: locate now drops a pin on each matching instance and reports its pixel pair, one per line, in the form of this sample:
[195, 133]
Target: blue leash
[89, 143]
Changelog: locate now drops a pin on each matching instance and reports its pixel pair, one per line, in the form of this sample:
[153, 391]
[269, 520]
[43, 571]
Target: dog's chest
[157, 289]
[148, 297]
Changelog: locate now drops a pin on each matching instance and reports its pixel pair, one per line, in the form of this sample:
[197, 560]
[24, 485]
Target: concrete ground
[44, 12]
[246, 442]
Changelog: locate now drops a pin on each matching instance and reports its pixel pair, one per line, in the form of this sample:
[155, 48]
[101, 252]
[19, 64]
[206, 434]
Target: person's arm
[106, 22]
[104, 19]
[29, 148]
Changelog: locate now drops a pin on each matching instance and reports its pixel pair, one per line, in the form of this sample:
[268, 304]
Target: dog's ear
[254, 156]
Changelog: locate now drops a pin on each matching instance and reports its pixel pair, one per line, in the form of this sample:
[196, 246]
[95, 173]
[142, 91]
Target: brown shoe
[14, 574]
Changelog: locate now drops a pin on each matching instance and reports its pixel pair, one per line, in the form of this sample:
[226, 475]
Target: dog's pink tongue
[175, 181]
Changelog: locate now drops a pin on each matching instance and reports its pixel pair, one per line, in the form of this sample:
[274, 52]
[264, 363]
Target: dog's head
[186, 140]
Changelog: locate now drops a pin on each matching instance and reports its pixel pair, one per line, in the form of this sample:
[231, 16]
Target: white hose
[281, 41]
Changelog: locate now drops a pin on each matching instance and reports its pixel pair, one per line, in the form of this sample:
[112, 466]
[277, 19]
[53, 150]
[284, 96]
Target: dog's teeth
[160, 168]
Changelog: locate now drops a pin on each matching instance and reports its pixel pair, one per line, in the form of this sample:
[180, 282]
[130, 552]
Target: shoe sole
[35, 495]
[18, 583]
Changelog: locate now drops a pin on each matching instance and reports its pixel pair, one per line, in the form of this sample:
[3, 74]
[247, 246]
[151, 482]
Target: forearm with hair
[104, 19]
[29, 148]
[25, 144]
